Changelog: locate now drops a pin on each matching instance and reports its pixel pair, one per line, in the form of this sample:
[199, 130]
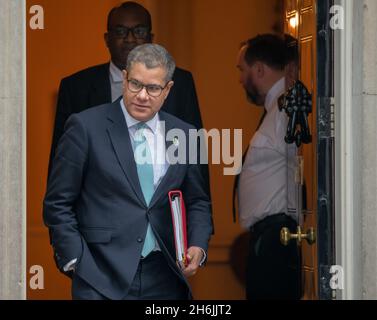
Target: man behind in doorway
[273, 270]
[107, 204]
[128, 25]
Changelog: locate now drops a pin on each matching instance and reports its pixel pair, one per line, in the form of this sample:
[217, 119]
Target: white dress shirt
[268, 170]
[116, 81]
[155, 137]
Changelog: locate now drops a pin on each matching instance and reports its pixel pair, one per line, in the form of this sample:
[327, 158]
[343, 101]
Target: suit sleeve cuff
[70, 266]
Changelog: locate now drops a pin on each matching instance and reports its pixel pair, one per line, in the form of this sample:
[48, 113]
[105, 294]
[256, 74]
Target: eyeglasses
[153, 90]
[139, 32]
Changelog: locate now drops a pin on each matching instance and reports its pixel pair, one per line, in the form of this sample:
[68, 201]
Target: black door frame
[325, 150]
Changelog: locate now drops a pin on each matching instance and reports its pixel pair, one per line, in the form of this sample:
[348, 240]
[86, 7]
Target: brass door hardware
[286, 236]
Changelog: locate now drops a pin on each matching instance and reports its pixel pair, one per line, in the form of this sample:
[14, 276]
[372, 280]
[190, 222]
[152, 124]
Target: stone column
[368, 98]
[12, 150]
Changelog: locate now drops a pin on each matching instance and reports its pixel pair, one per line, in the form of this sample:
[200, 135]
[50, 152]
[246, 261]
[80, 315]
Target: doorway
[308, 21]
[204, 37]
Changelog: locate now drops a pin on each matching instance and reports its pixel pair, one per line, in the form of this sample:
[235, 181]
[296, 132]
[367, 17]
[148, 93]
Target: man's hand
[194, 256]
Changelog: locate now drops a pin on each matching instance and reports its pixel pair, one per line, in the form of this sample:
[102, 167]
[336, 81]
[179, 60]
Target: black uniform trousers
[273, 270]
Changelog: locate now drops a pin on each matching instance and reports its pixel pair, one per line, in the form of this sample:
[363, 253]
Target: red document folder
[178, 213]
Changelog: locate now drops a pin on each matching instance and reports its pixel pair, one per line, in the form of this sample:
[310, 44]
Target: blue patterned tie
[143, 159]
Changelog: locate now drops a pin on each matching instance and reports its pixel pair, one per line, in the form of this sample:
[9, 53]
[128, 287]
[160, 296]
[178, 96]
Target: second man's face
[141, 105]
[127, 29]
[248, 76]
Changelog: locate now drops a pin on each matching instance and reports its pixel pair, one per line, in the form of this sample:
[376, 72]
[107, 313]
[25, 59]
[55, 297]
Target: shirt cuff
[201, 264]
[70, 266]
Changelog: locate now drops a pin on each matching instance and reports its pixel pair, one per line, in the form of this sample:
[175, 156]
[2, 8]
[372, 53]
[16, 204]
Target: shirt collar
[115, 73]
[276, 90]
[132, 122]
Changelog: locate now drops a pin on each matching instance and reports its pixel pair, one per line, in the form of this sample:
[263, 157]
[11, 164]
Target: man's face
[248, 79]
[141, 105]
[120, 44]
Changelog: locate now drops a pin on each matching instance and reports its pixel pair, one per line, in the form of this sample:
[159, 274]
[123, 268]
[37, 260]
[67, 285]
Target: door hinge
[332, 118]
[326, 117]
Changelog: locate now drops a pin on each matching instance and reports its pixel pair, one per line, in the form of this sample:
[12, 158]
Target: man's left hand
[194, 256]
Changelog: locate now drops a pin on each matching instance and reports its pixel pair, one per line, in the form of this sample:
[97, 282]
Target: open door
[307, 21]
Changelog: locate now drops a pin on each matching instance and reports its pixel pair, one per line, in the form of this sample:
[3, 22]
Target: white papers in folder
[178, 231]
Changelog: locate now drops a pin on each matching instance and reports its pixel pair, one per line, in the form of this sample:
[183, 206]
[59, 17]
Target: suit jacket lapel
[121, 142]
[100, 92]
[171, 174]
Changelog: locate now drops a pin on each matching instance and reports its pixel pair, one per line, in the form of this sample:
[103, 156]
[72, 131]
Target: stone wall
[367, 96]
[12, 114]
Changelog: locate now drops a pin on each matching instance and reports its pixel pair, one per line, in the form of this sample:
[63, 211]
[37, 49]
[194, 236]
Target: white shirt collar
[131, 122]
[115, 73]
[273, 94]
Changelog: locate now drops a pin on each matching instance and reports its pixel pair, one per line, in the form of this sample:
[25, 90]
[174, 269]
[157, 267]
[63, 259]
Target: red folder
[178, 213]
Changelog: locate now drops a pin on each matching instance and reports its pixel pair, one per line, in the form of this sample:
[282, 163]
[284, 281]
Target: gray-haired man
[108, 213]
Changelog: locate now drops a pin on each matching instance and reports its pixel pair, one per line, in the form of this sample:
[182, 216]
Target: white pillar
[356, 108]
[348, 155]
[12, 150]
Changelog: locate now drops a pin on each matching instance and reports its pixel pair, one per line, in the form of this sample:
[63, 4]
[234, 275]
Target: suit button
[140, 240]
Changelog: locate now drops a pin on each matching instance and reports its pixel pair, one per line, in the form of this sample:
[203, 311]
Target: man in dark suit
[108, 210]
[128, 25]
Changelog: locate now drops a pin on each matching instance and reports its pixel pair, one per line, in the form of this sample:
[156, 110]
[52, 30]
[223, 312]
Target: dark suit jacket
[91, 87]
[95, 209]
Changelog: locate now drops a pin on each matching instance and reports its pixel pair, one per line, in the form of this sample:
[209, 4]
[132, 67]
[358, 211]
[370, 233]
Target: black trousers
[154, 280]
[273, 270]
